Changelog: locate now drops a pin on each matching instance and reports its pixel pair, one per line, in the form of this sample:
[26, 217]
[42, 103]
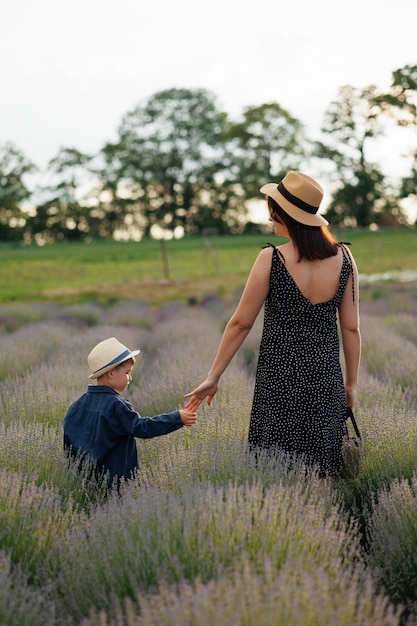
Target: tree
[361, 196]
[118, 213]
[14, 168]
[401, 101]
[265, 144]
[170, 163]
[367, 195]
[64, 210]
[401, 104]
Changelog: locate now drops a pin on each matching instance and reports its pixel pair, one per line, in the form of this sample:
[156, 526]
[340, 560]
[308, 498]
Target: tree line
[181, 165]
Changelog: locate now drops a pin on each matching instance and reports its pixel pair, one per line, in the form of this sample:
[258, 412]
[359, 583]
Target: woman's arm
[351, 337]
[237, 329]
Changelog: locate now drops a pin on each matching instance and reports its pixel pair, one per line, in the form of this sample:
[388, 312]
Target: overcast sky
[70, 70]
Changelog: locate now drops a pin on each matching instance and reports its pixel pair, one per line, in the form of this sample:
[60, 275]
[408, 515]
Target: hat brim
[113, 365]
[303, 217]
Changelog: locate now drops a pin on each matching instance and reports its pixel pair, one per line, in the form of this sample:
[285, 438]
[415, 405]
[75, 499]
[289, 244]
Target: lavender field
[204, 535]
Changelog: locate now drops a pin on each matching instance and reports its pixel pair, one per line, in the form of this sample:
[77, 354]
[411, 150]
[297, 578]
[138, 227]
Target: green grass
[187, 268]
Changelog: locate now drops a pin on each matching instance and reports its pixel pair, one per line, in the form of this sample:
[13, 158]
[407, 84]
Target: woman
[306, 285]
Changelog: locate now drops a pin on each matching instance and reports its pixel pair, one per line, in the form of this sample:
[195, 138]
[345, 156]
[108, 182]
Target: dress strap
[347, 255]
[276, 250]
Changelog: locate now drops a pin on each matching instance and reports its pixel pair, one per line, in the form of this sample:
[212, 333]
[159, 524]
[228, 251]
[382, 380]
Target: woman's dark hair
[312, 242]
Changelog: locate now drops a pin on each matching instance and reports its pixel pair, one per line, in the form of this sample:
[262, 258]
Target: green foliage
[289, 596]
[169, 153]
[267, 143]
[361, 196]
[179, 164]
[31, 518]
[395, 516]
[14, 191]
[64, 213]
[196, 536]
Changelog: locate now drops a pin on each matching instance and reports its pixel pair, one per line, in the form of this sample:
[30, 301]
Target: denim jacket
[102, 425]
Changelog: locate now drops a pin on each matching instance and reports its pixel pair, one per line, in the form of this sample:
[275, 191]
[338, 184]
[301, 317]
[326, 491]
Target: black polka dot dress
[299, 399]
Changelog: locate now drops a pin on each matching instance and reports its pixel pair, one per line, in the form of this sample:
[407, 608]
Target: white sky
[69, 71]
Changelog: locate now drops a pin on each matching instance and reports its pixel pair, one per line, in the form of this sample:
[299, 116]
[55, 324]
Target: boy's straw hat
[299, 196]
[106, 355]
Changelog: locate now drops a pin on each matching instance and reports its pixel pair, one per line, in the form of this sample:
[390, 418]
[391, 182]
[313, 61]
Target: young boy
[102, 426]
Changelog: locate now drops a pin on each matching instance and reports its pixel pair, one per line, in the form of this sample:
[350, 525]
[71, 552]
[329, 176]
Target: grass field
[158, 272]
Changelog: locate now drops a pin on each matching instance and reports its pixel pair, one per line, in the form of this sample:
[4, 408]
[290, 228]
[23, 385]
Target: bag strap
[349, 413]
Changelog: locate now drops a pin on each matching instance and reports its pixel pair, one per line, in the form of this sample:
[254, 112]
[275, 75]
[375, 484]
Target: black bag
[352, 450]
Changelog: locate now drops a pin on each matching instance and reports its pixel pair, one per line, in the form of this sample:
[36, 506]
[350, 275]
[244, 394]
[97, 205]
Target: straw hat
[106, 355]
[299, 196]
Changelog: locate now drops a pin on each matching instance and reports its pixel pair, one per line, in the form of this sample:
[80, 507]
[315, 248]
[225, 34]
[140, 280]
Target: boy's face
[120, 377]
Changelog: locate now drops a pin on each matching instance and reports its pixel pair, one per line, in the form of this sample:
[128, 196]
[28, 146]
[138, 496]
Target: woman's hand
[207, 389]
[350, 392]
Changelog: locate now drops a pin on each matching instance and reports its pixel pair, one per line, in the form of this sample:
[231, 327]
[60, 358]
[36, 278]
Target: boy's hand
[188, 418]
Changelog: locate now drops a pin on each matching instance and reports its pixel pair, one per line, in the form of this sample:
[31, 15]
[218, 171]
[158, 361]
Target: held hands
[188, 417]
[207, 389]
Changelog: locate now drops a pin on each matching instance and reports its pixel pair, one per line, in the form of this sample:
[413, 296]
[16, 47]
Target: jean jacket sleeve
[147, 427]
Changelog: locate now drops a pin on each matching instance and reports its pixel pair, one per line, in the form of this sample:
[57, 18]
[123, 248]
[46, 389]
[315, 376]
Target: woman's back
[317, 280]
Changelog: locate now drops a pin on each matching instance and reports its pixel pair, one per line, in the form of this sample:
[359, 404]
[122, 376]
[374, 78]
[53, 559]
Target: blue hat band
[115, 361]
